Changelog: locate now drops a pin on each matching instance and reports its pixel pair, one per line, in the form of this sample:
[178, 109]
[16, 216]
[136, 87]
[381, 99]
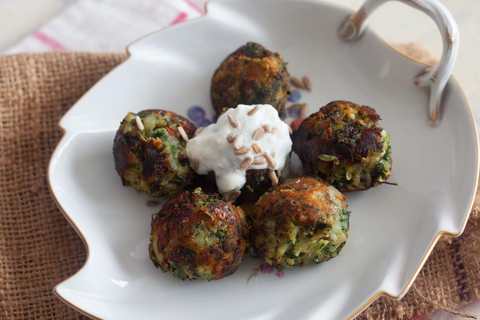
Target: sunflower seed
[256, 148]
[252, 111]
[139, 123]
[246, 163]
[270, 161]
[297, 83]
[307, 84]
[183, 134]
[259, 161]
[231, 138]
[241, 150]
[233, 122]
[273, 177]
[195, 164]
[258, 134]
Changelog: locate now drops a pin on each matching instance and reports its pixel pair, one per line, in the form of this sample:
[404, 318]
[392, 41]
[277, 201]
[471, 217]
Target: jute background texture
[38, 248]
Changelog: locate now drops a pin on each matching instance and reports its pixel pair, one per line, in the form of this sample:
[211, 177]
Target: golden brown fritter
[198, 236]
[301, 221]
[152, 158]
[343, 144]
[250, 75]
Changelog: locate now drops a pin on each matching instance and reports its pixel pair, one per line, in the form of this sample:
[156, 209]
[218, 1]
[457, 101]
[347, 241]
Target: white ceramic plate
[393, 229]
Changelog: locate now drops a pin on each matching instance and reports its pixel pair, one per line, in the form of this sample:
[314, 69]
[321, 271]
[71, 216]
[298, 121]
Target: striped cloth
[106, 25]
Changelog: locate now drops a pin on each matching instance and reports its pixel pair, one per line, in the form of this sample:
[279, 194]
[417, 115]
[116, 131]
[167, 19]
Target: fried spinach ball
[149, 152]
[198, 236]
[301, 221]
[250, 75]
[343, 144]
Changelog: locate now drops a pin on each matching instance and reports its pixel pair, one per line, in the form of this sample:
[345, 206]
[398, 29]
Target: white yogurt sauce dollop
[249, 137]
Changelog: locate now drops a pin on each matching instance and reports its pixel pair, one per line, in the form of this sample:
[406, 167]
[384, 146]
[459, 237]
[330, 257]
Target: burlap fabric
[38, 248]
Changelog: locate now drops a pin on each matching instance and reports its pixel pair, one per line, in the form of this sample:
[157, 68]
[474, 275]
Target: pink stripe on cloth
[194, 6]
[48, 41]
[182, 16]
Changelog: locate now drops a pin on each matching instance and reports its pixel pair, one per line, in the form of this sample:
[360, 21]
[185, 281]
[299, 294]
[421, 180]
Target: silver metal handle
[435, 77]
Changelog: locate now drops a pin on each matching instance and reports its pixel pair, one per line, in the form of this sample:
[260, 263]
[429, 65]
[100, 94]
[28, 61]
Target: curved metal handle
[435, 77]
